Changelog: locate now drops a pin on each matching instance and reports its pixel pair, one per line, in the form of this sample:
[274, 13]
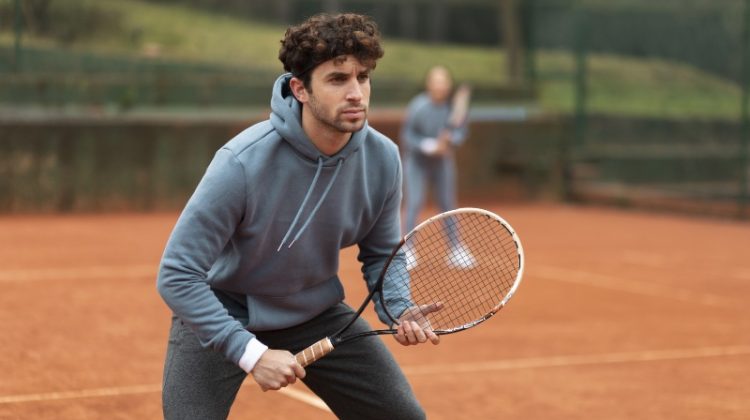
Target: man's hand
[276, 369]
[415, 328]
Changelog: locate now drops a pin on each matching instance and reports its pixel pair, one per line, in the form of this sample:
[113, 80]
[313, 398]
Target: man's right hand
[276, 369]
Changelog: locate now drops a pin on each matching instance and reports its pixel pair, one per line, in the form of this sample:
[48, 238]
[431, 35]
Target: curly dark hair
[324, 37]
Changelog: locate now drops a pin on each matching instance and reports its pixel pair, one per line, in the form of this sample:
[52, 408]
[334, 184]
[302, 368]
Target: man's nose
[354, 92]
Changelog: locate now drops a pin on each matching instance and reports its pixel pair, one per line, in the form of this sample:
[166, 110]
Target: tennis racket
[457, 118]
[460, 106]
[452, 272]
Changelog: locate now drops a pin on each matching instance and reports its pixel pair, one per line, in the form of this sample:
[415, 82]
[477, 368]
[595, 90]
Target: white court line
[577, 360]
[435, 369]
[81, 393]
[304, 397]
[79, 273]
[629, 285]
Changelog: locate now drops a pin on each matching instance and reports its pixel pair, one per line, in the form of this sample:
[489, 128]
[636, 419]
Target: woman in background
[435, 125]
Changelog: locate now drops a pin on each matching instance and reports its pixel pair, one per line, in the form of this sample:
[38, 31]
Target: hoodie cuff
[253, 352]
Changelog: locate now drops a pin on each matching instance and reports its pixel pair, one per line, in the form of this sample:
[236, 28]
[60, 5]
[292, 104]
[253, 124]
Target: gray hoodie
[266, 223]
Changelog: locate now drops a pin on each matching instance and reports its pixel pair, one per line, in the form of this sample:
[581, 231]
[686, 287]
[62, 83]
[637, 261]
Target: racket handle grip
[314, 352]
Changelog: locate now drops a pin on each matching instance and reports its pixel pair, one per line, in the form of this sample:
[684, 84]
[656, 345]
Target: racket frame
[516, 280]
[337, 338]
[327, 344]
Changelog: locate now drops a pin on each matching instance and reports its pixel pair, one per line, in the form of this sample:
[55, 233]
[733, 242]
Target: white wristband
[253, 351]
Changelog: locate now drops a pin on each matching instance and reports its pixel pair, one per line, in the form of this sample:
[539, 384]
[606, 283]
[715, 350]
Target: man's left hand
[415, 328]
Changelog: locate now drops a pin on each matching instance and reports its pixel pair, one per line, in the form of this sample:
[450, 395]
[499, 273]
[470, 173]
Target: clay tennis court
[621, 315]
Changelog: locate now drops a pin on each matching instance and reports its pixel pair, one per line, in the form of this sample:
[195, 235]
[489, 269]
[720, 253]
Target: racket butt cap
[314, 352]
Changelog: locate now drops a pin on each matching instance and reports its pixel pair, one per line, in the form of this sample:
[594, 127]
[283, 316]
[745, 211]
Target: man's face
[339, 94]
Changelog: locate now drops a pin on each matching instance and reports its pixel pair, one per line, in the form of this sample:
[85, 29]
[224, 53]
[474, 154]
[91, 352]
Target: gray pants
[358, 380]
[420, 172]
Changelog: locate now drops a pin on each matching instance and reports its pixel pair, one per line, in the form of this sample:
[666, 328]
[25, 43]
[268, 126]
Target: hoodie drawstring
[307, 197]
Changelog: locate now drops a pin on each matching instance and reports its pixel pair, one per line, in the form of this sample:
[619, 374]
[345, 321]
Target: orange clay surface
[621, 315]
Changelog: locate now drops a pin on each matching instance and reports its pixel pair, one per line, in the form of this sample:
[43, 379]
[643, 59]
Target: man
[429, 137]
[250, 268]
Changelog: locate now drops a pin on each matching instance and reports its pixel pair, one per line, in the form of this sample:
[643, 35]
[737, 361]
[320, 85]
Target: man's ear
[298, 89]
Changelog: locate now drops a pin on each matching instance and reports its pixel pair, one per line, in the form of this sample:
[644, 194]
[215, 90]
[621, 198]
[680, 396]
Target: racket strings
[467, 262]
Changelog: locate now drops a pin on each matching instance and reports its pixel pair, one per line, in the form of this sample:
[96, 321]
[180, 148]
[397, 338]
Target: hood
[286, 119]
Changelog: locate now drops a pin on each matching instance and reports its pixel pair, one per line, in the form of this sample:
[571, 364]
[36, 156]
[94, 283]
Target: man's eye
[363, 77]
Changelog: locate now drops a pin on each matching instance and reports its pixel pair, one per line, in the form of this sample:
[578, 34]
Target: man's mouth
[353, 112]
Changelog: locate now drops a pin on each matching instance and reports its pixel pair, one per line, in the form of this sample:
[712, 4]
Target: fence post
[528, 25]
[574, 145]
[581, 91]
[17, 29]
[745, 119]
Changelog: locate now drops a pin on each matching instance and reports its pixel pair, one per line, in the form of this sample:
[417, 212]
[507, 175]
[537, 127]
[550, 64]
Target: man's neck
[327, 140]
[330, 148]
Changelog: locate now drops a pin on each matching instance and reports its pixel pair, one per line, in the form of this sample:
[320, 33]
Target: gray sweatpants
[358, 380]
[421, 172]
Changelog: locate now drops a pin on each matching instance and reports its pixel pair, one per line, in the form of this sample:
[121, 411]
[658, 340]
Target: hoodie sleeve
[379, 243]
[203, 229]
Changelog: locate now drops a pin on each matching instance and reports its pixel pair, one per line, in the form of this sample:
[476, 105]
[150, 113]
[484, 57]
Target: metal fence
[660, 114]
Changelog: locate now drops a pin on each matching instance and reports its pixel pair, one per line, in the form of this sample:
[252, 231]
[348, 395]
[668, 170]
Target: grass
[638, 87]
[617, 85]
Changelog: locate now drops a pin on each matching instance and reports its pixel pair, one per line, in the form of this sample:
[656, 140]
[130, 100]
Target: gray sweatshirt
[267, 221]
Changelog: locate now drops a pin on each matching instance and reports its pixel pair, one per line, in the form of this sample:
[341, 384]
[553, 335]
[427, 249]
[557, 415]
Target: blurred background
[110, 111]
[118, 105]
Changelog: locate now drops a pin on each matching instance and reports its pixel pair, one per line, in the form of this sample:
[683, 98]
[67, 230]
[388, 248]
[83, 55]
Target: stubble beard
[336, 122]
